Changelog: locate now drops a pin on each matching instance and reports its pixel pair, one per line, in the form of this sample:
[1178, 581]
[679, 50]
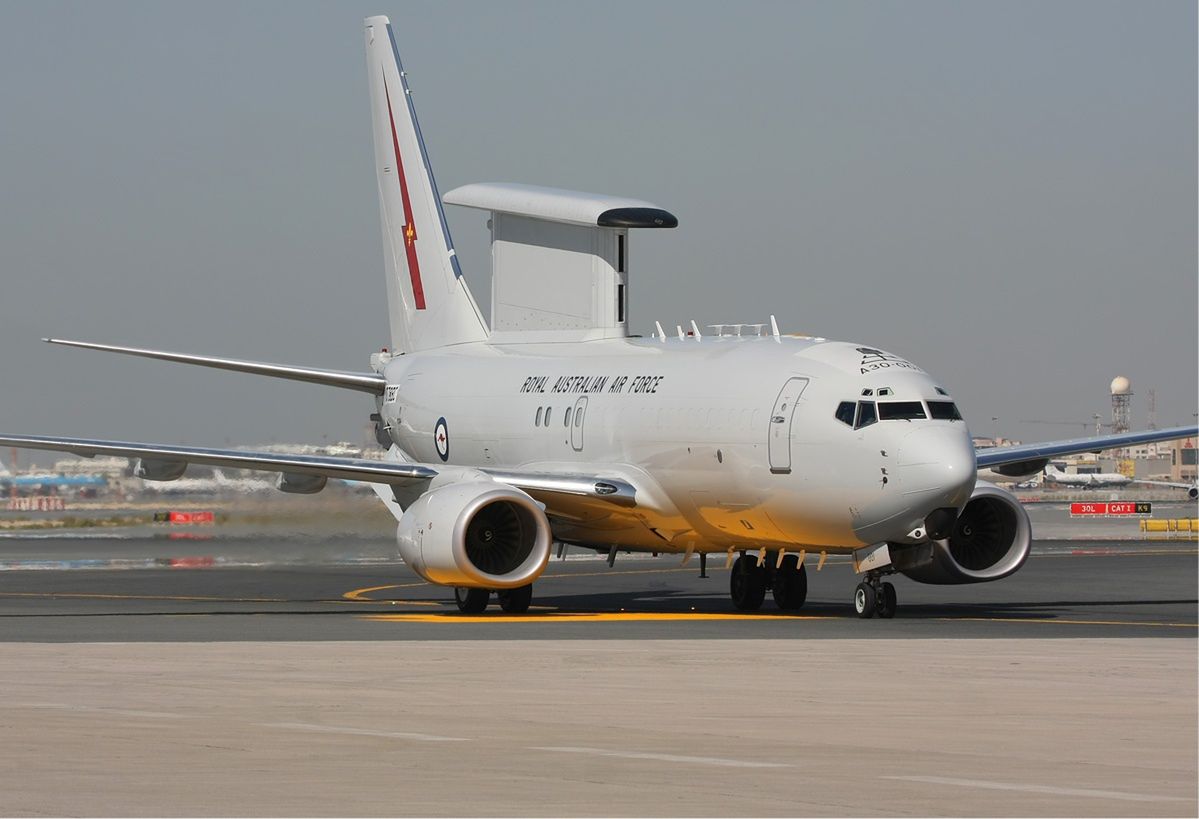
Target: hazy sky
[1003, 192]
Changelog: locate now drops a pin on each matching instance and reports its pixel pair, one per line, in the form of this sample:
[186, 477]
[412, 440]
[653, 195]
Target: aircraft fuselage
[732, 442]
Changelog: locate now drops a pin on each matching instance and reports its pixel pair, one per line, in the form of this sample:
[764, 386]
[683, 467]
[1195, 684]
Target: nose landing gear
[873, 596]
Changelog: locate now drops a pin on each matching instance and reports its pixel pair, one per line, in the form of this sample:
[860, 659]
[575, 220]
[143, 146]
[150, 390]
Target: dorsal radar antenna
[774, 326]
[679, 327]
[661, 332]
[695, 329]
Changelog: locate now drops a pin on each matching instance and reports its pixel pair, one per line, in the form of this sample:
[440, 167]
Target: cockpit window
[900, 410]
[944, 411]
[845, 412]
[866, 415]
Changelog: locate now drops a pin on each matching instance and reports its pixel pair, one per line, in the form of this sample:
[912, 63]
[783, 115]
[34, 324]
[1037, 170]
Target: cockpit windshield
[944, 411]
[864, 413]
[900, 410]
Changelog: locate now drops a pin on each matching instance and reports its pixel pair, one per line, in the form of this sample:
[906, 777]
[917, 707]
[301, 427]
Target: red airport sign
[1113, 509]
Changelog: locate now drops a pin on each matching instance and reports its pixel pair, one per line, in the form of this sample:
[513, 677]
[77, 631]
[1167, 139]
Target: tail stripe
[424, 155]
[418, 289]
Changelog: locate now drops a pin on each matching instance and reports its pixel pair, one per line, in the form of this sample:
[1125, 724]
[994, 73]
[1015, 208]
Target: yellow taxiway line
[582, 617]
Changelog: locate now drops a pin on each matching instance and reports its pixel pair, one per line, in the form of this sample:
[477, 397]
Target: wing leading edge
[364, 382]
[1002, 456]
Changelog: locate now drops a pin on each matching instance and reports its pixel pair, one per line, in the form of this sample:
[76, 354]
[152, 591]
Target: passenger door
[779, 442]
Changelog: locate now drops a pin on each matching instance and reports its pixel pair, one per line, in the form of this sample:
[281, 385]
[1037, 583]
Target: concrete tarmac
[309, 689]
[760, 727]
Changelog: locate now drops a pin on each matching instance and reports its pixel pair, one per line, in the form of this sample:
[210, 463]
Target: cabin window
[845, 411]
[866, 415]
[540, 410]
[566, 420]
[944, 411]
[900, 410]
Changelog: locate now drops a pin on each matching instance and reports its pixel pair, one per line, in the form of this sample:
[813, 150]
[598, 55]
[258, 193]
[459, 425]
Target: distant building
[1182, 460]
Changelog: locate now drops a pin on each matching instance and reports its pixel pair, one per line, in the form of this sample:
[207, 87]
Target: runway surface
[218, 687]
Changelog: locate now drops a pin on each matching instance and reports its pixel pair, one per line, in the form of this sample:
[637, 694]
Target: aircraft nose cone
[937, 462]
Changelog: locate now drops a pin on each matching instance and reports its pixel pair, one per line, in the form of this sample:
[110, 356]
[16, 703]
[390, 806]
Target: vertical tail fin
[428, 301]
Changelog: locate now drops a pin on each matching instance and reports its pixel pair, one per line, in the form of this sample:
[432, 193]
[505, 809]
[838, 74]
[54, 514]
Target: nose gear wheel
[872, 596]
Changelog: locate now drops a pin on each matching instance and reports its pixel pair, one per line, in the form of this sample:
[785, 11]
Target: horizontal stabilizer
[364, 382]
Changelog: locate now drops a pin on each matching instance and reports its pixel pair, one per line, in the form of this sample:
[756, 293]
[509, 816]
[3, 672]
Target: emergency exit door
[780, 425]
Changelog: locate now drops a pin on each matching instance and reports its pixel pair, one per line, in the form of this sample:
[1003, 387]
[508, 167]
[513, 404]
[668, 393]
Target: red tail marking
[409, 230]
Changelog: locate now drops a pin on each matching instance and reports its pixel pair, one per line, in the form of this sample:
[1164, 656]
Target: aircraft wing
[1031, 453]
[364, 382]
[173, 459]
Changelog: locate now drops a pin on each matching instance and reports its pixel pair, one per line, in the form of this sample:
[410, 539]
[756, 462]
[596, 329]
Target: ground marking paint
[1049, 789]
[698, 760]
[98, 709]
[362, 732]
[1053, 621]
[581, 617]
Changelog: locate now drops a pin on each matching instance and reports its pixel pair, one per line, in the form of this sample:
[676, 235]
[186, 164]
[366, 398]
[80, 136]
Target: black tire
[747, 584]
[887, 602]
[790, 587]
[471, 601]
[516, 601]
[865, 601]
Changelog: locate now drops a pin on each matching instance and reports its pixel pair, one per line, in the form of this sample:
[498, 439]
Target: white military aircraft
[1108, 480]
[1086, 479]
[552, 424]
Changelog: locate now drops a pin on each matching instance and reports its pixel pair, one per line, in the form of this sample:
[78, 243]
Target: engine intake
[479, 534]
[990, 540]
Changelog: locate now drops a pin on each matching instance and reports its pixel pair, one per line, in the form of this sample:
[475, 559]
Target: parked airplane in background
[219, 483]
[552, 424]
[1087, 479]
[46, 480]
[1098, 480]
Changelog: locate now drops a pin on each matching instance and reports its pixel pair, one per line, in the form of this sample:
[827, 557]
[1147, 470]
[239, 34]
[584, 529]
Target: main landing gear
[873, 596]
[512, 601]
[787, 582]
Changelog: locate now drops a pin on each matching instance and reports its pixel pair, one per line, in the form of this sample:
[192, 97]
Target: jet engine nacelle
[479, 534]
[990, 540]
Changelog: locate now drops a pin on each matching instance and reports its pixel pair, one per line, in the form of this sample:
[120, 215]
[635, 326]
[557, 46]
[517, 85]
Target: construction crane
[1096, 422]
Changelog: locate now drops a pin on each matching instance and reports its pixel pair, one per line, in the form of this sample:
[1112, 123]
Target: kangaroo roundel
[441, 439]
